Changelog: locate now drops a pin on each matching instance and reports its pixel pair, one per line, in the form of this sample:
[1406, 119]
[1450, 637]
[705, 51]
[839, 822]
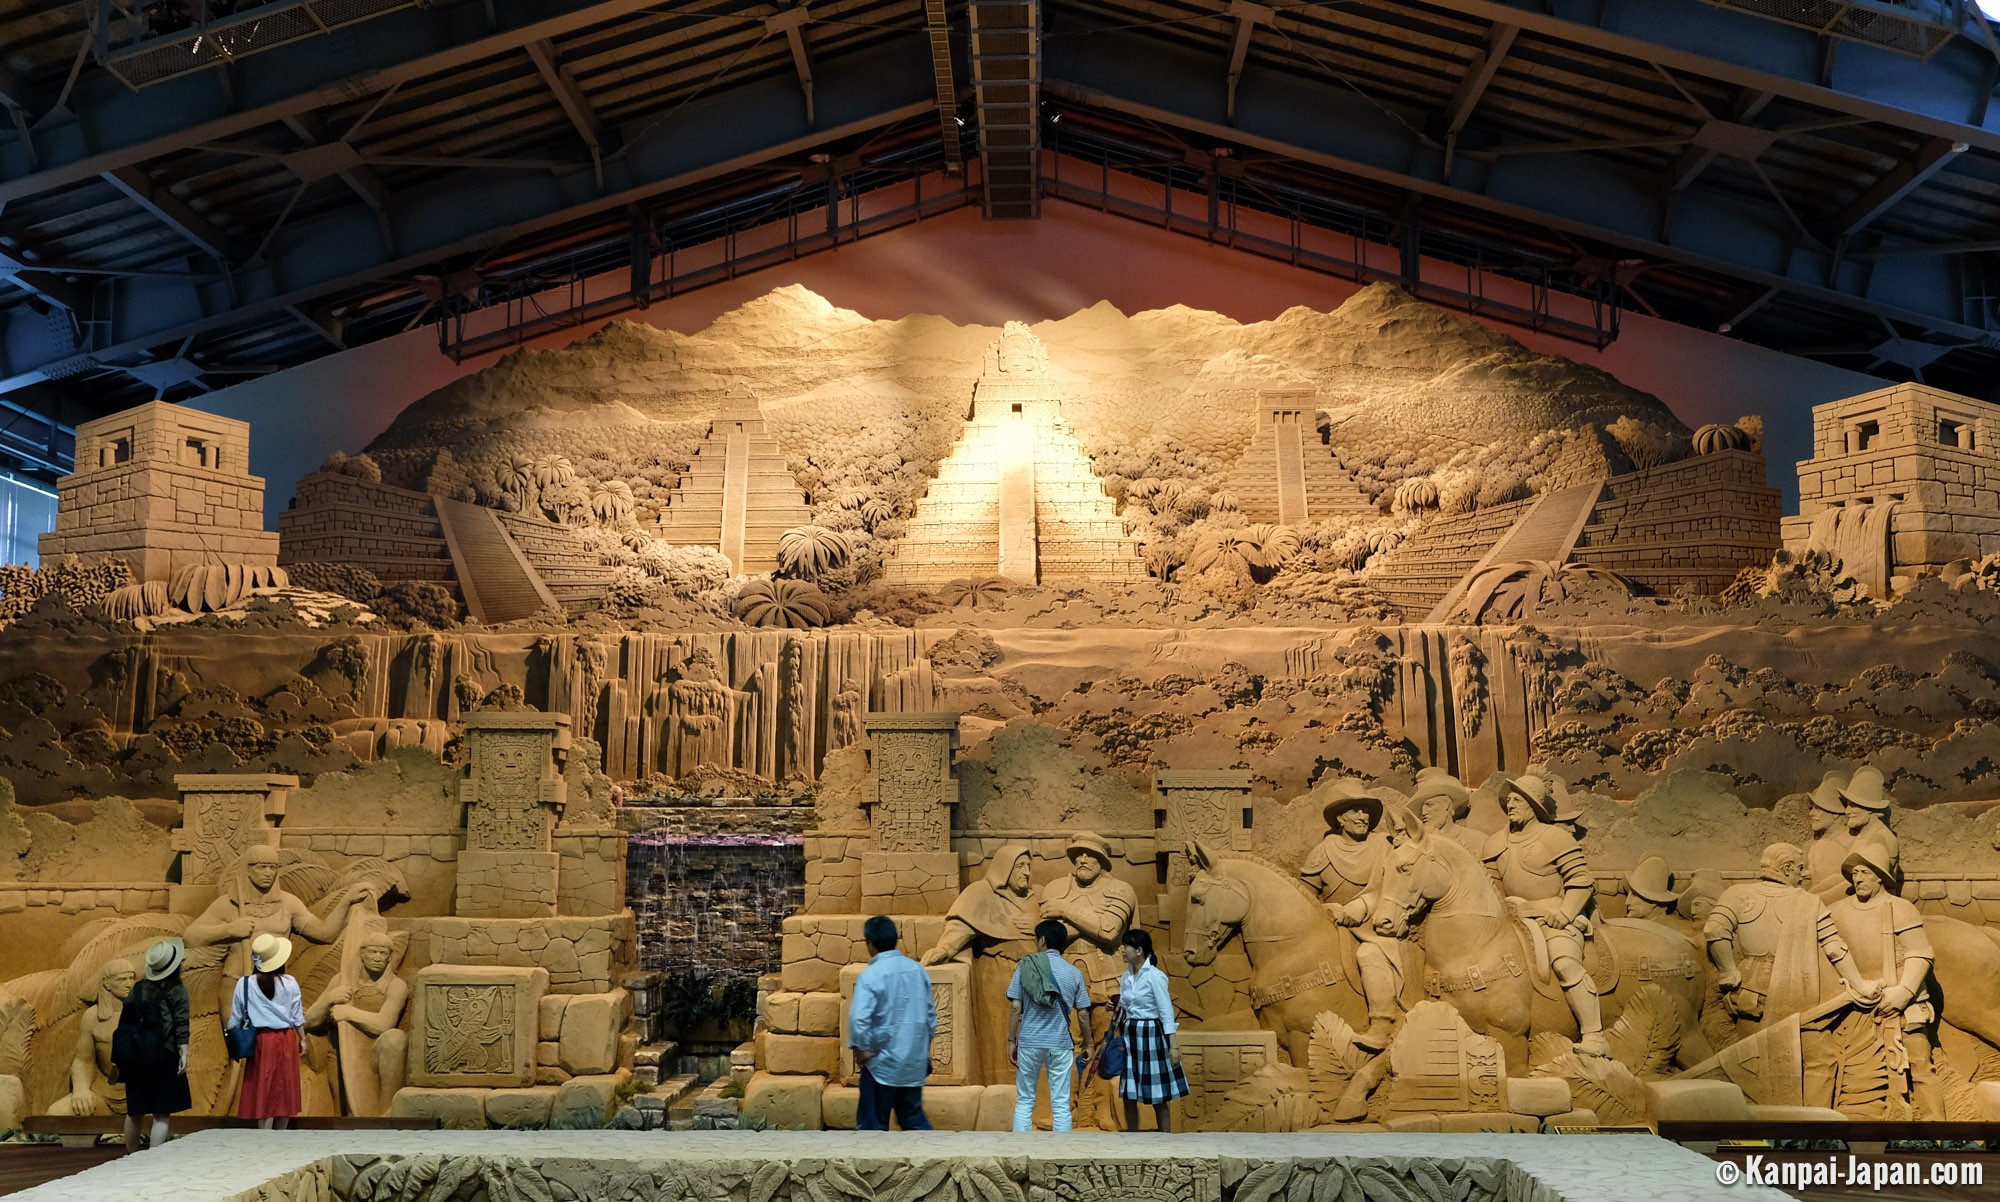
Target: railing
[1918, 28]
[151, 43]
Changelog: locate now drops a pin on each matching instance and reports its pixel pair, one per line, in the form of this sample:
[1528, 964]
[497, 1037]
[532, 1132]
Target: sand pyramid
[1288, 476]
[738, 495]
[1016, 498]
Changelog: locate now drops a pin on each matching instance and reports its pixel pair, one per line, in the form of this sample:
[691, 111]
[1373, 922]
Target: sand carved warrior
[93, 1087]
[703, 715]
[364, 1007]
[1826, 814]
[1541, 871]
[1443, 803]
[1868, 802]
[1770, 941]
[1885, 935]
[992, 924]
[1345, 870]
[255, 904]
[1097, 908]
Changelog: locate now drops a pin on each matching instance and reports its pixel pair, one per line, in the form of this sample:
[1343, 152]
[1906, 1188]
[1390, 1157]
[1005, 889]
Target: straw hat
[1827, 796]
[269, 952]
[164, 957]
[1652, 880]
[1867, 790]
[1088, 842]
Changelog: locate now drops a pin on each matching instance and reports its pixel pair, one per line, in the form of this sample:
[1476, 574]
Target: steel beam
[1904, 179]
[1944, 96]
[15, 92]
[469, 212]
[1595, 198]
[575, 105]
[792, 23]
[1485, 65]
[1248, 17]
[173, 212]
[116, 128]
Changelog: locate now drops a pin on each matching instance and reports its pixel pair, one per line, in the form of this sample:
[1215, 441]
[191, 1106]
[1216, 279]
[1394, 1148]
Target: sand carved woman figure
[364, 1009]
[992, 924]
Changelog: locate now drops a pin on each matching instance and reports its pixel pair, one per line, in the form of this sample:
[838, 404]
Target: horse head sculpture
[1216, 907]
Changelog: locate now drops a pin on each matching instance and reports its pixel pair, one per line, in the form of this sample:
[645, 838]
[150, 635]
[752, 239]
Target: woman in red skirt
[269, 1001]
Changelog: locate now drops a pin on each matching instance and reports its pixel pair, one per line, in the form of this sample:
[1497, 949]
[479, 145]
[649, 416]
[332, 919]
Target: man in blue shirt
[1045, 990]
[891, 1022]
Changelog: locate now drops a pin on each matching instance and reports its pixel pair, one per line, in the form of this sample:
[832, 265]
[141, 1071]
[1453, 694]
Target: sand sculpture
[1178, 601]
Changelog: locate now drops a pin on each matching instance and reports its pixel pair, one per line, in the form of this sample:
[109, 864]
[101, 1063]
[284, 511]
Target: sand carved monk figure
[364, 1006]
[93, 1087]
[1542, 872]
[1345, 870]
[1885, 935]
[992, 924]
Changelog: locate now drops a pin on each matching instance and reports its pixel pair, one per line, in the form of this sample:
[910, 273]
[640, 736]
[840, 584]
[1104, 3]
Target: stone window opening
[200, 454]
[1954, 433]
[1017, 406]
[117, 450]
[1865, 433]
[1247, 815]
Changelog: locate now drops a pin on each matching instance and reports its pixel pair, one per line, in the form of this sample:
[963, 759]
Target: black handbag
[1111, 1056]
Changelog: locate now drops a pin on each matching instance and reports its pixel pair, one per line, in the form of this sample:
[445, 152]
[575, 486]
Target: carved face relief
[118, 979]
[1857, 818]
[263, 874]
[507, 761]
[1355, 824]
[1020, 880]
[1085, 868]
[1866, 883]
[375, 958]
[1216, 908]
[1519, 812]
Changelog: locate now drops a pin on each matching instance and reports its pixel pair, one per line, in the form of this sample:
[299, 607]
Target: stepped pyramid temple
[738, 495]
[1016, 498]
[1287, 475]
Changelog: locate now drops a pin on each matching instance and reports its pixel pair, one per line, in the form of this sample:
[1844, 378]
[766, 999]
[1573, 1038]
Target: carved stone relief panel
[951, 1048]
[475, 1025]
[222, 815]
[1217, 1062]
[910, 786]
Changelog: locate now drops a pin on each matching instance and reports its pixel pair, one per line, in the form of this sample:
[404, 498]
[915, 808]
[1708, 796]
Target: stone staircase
[1547, 531]
[1287, 475]
[497, 580]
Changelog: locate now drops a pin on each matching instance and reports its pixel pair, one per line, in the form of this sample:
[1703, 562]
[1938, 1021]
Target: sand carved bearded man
[1885, 935]
[1098, 908]
[1542, 873]
[1769, 941]
[1346, 871]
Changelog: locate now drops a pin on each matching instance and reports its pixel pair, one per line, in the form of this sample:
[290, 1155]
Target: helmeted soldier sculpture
[1542, 873]
[1649, 890]
[1885, 935]
[1767, 939]
[1443, 803]
[1346, 871]
[1868, 802]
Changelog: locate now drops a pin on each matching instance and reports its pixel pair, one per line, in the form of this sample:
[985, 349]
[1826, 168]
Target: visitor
[151, 1047]
[1045, 992]
[269, 1002]
[1153, 1072]
[890, 1025]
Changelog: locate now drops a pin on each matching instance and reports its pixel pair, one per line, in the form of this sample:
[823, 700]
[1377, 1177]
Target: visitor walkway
[339, 1166]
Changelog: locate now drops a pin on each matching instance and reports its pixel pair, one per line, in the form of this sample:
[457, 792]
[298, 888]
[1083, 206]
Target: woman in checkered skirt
[1152, 1048]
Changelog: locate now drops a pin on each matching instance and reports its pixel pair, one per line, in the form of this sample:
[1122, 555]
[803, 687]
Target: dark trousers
[878, 1101]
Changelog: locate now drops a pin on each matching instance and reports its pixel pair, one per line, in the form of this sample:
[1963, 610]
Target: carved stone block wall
[833, 873]
[580, 955]
[592, 879]
[816, 947]
[951, 1049]
[507, 884]
[222, 815]
[923, 883]
[475, 1025]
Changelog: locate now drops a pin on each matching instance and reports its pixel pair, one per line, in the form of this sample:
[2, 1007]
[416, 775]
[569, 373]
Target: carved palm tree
[810, 552]
[612, 503]
[1256, 552]
[1516, 591]
[786, 604]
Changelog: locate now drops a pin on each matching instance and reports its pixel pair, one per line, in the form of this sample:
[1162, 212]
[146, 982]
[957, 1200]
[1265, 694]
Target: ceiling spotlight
[1990, 8]
[1057, 119]
[820, 158]
[961, 122]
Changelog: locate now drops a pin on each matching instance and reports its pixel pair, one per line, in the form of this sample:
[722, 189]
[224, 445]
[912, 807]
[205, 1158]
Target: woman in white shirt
[1152, 1049]
[269, 1001]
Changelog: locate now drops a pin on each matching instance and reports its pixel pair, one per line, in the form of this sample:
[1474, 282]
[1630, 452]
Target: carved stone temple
[1017, 498]
[165, 487]
[1288, 476]
[738, 495]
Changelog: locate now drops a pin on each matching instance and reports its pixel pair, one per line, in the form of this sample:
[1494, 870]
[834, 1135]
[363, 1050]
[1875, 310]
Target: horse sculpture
[1293, 946]
[1482, 963]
